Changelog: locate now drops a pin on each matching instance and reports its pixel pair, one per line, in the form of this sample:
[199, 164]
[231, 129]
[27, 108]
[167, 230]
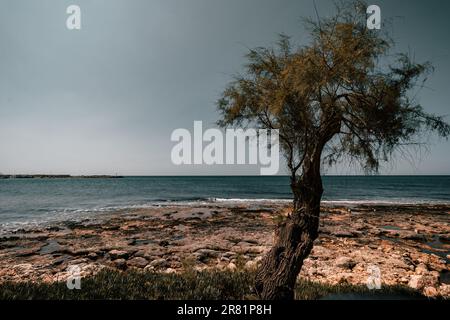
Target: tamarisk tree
[342, 96]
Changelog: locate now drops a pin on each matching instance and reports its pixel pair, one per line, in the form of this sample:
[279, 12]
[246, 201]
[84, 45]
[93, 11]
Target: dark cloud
[105, 99]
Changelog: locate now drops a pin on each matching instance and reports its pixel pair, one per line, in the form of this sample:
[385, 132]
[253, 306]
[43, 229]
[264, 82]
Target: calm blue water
[30, 201]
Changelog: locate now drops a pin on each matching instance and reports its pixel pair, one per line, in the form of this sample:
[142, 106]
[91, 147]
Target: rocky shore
[410, 245]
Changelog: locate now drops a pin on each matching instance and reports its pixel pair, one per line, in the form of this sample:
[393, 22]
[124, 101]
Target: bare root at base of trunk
[279, 269]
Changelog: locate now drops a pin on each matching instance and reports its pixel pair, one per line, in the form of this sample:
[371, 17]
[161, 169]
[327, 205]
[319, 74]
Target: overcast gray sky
[105, 99]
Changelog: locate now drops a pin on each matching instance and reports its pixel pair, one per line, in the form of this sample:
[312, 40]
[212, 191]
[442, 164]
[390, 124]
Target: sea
[29, 202]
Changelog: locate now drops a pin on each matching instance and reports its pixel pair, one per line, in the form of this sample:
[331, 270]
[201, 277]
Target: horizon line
[218, 175]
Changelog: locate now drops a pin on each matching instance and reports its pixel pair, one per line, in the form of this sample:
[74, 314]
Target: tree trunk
[277, 275]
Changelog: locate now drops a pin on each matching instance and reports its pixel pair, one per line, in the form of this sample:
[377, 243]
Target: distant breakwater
[55, 176]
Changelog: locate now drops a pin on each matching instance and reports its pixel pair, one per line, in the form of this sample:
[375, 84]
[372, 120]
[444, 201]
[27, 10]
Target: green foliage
[306, 290]
[207, 285]
[342, 95]
[135, 285]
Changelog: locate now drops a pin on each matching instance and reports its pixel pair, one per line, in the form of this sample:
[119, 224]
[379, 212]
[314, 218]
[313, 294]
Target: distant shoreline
[55, 176]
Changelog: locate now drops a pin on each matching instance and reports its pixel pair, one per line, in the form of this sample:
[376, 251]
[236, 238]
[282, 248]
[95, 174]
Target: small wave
[338, 201]
[385, 202]
[242, 200]
[78, 214]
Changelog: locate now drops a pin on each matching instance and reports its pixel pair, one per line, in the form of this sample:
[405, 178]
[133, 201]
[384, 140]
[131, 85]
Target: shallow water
[34, 201]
